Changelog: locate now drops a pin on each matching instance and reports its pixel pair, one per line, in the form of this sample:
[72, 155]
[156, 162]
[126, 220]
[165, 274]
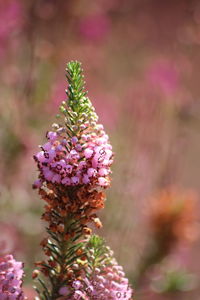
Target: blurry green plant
[174, 280]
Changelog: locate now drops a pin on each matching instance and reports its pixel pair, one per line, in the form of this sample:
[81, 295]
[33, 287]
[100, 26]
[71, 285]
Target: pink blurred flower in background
[9, 239]
[103, 103]
[94, 27]
[10, 21]
[109, 5]
[57, 95]
[163, 75]
[159, 85]
[104, 106]
[141, 102]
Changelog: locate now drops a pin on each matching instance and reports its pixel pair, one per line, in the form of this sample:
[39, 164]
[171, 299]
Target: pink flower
[107, 282]
[103, 172]
[62, 164]
[48, 174]
[76, 284]
[64, 291]
[52, 136]
[102, 181]
[86, 179]
[40, 156]
[37, 184]
[74, 140]
[164, 75]
[11, 22]
[66, 181]
[91, 172]
[47, 146]
[11, 273]
[88, 152]
[56, 178]
[78, 147]
[68, 168]
[75, 180]
[94, 27]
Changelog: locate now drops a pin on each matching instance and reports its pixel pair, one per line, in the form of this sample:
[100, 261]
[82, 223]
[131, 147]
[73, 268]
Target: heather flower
[10, 21]
[104, 279]
[74, 170]
[76, 159]
[163, 75]
[76, 153]
[11, 273]
[82, 162]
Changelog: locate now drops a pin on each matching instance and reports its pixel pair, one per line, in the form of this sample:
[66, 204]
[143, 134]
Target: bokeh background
[142, 64]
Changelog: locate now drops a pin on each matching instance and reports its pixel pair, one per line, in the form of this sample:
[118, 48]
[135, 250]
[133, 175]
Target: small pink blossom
[102, 181]
[64, 291]
[52, 136]
[74, 140]
[88, 152]
[91, 172]
[75, 180]
[66, 181]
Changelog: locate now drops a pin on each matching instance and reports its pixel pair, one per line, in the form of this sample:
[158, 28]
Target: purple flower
[107, 282]
[37, 184]
[64, 291]
[75, 180]
[91, 172]
[80, 158]
[52, 136]
[74, 140]
[64, 165]
[66, 181]
[88, 152]
[11, 273]
[77, 284]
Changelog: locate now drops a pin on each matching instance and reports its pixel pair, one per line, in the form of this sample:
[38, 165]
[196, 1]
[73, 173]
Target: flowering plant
[74, 170]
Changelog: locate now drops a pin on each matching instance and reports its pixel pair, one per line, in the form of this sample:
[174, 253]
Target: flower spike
[11, 272]
[74, 170]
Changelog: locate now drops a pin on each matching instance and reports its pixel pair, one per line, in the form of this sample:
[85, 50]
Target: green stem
[63, 246]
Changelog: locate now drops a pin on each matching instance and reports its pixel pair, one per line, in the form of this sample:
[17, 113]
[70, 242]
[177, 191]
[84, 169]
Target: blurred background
[141, 60]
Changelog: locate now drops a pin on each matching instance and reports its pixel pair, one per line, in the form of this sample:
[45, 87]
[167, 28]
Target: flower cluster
[106, 280]
[106, 283]
[75, 161]
[77, 152]
[11, 273]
